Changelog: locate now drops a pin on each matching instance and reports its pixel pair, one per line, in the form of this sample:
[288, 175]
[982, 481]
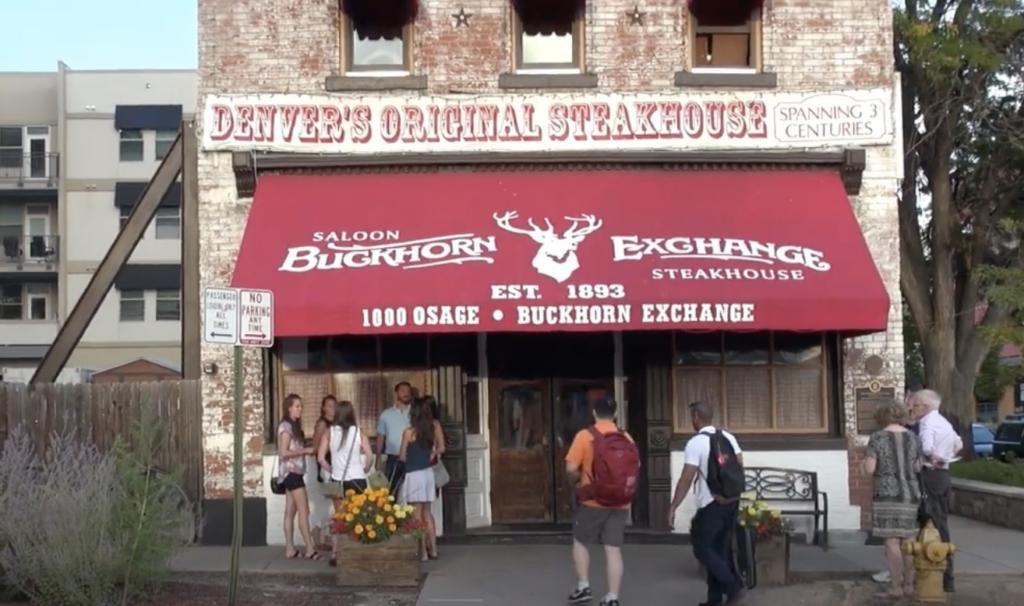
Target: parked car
[1009, 439]
[982, 437]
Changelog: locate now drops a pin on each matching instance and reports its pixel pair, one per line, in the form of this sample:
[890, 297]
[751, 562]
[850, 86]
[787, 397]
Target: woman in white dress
[344, 443]
[322, 506]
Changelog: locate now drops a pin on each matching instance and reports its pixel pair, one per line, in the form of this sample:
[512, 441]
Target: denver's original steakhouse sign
[365, 125]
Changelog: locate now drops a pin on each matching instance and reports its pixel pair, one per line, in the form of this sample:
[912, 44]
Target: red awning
[559, 250]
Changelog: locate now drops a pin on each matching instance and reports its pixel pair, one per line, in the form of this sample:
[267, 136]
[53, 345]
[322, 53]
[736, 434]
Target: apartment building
[76, 151]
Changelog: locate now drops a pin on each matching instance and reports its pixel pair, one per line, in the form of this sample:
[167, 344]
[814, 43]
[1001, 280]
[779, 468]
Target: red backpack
[616, 471]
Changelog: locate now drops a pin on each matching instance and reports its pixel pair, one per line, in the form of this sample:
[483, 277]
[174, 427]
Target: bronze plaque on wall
[867, 399]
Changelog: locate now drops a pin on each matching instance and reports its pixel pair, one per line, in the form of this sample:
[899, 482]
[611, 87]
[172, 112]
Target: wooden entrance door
[532, 426]
[521, 473]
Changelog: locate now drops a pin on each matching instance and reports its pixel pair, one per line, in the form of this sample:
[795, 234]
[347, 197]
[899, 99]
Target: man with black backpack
[604, 463]
[713, 458]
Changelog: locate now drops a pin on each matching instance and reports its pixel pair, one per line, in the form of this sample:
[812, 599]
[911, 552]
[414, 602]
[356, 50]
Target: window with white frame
[132, 147]
[11, 302]
[372, 47]
[168, 223]
[548, 39]
[164, 140]
[133, 306]
[11, 149]
[38, 296]
[125, 212]
[168, 305]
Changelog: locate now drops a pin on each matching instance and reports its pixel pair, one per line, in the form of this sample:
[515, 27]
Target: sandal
[292, 555]
[313, 556]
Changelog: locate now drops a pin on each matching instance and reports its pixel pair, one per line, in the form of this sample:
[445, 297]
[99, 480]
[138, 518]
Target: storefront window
[759, 382]
[364, 369]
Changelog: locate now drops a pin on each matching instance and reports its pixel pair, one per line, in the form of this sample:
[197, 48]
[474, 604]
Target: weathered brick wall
[290, 46]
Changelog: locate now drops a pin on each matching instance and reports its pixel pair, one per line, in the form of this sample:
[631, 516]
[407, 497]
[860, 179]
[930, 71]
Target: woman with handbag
[290, 480]
[344, 444]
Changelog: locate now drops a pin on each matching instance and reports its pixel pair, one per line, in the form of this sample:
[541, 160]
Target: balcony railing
[28, 251]
[20, 168]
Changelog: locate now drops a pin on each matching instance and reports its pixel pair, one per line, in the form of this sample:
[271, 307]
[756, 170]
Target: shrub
[987, 470]
[86, 528]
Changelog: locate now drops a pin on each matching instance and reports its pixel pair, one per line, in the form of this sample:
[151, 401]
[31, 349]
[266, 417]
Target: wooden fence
[103, 413]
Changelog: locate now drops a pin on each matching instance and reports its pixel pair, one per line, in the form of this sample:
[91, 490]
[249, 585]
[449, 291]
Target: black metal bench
[792, 486]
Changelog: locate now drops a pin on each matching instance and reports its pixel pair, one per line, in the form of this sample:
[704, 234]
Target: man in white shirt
[716, 519]
[940, 445]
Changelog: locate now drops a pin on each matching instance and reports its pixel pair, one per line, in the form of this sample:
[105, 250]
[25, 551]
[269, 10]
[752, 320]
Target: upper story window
[725, 36]
[548, 36]
[132, 147]
[164, 141]
[377, 39]
[133, 306]
[25, 153]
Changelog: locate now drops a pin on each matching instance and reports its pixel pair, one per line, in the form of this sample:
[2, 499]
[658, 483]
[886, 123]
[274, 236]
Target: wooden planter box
[771, 559]
[395, 562]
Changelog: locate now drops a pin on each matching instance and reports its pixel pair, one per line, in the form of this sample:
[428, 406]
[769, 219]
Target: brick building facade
[800, 50]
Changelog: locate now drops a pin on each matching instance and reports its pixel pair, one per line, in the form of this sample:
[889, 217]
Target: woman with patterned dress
[892, 461]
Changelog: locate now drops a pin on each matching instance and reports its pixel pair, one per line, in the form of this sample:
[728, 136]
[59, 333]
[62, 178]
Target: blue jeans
[711, 538]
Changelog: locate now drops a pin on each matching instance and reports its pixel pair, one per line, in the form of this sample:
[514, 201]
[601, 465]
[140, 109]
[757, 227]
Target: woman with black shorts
[291, 457]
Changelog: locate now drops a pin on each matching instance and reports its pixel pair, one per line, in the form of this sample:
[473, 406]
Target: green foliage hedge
[991, 471]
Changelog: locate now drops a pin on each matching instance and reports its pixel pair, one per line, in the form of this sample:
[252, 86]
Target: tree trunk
[954, 381]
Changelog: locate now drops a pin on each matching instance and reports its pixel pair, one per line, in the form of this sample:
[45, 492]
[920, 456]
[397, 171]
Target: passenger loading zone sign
[233, 316]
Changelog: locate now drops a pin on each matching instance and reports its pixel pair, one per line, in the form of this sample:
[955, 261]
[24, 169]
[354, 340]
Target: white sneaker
[882, 577]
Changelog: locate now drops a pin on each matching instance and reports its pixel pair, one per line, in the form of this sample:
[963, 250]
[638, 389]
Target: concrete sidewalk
[990, 561]
[981, 550]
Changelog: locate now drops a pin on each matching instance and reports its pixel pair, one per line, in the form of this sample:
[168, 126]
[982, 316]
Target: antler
[593, 224]
[504, 222]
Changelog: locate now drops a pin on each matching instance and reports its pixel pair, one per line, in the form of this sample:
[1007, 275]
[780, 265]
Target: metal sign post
[242, 318]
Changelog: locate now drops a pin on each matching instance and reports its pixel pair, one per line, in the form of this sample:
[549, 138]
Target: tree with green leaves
[961, 64]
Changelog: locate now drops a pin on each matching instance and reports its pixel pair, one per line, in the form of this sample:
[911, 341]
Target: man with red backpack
[604, 463]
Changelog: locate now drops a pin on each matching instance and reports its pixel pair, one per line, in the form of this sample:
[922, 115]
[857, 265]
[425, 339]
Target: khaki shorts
[600, 526]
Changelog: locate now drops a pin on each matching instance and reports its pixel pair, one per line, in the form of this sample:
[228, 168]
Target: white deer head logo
[556, 257]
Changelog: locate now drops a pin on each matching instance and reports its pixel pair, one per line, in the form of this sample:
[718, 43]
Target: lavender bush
[79, 527]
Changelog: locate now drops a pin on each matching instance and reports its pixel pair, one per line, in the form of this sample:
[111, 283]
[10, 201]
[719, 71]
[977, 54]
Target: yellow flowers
[763, 521]
[372, 516]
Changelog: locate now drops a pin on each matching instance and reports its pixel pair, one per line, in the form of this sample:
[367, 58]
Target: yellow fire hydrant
[930, 557]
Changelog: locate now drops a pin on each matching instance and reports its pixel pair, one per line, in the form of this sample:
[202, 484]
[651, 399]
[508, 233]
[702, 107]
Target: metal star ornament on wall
[462, 18]
[636, 17]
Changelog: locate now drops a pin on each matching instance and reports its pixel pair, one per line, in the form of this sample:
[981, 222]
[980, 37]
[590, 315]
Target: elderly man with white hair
[941, 445]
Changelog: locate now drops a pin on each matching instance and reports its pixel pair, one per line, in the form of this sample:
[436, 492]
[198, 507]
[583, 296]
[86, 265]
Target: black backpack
[725, 478]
